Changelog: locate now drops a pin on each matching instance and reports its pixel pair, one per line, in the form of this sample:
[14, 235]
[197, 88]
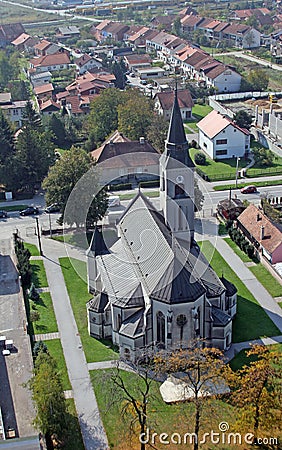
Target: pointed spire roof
[176, 143]
[97, 244]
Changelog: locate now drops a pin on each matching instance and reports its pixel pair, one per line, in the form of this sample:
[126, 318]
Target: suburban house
[86, 62]
[135, 61]
[45, 47]
[67, 32]
[13, 110]
[49, 107]
[121, 159]
[20, 41]
[9, 32]
[230, 208]
[51, 63]
[153, 287]
[37, 79]
[140, 37]
[262, 233]
[242, 36]
[75, 104]
[190, 23]
[44, 91]
[221, 138]
[109, 30]
[164, 103]
[164, 22]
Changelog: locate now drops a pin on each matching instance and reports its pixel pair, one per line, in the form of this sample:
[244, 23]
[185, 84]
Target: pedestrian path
[45, 337]
[262, 296]
[110, 365]
[236, 348]
[93, 433]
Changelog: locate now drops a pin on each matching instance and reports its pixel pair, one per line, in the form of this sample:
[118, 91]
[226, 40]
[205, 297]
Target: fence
[216, 177]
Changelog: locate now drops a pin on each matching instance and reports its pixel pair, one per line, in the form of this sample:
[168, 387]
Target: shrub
[200, 159]
[39, 347]
[33, 294]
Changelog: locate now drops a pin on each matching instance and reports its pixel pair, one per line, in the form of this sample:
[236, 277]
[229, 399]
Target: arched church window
[160, 327]
[181, 320]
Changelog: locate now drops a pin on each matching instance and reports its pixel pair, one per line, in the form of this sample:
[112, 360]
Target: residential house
[242, 36]
[20, 41]
[164, 103]
[9, 32]
[221, 138]
[262, 233]
[109, 30]
[49, 107]
[139, 39]
[187, 11]
[13, 110]
[121, 159]
[45, 47]
[230, 208]
[51, 63]
[86, 62]
[44, 91]
[190, 23]
[76, 105]
[163, 22]
[136, 61]
[98, 30]
[91, 83]
[38, 79]
[262, 15]
[67, 32]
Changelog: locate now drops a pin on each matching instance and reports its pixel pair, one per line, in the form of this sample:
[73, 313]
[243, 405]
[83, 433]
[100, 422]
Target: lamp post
[237, 163]
[38, 236]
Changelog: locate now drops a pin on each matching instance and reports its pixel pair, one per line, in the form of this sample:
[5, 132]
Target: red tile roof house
[45, 47]
[164, 103]
[85, 63]
[49, 107]
[262, 233]
[242, 36]
[221, 138]
[9, 32]
[75, 104]
[44, 91]
[136, 61]
[123, 160]
[51, 63]
[20, 41]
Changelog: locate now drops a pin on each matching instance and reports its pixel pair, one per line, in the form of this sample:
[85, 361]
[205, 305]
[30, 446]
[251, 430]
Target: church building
[153, 287]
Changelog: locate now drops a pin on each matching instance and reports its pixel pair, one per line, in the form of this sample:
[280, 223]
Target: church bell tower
[177, 180]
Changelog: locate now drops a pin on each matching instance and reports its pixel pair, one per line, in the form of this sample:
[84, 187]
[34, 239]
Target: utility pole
[237, 163]
[38, 236]
[50, 225]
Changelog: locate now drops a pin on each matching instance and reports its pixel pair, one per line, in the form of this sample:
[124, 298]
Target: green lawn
[47, 322]
[82, 241]
[219, 170]
[74, 441]
[38, 277]
[32, 248]
[251, 322]
[226, 187]
[261, 273]
[95, 350]
[13, 208]
[200, 111]
[174, 418]
[56, 351]
[191, 125]
[241, 358]
[274, 169]
[130, 196]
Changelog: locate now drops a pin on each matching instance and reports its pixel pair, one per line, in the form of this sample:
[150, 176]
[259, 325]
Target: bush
[39, 347]
[200, 159]
[33, 294]
[149, 184]
[120, 187]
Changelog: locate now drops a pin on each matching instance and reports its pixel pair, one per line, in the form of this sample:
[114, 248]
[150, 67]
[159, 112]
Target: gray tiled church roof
[133, 325]
[97, 244]
[220, 317]
[99, 302]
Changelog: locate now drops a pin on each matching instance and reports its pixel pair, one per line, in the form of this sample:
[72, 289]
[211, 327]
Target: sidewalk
[236, 348]
[93, 433]
[244, 180]
[265, 300]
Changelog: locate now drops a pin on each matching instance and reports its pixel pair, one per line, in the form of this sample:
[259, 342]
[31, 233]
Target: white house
[221, 138]
[164, 103]
[86, 62]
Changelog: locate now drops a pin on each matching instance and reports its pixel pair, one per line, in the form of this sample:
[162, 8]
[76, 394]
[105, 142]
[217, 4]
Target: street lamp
[237, 163]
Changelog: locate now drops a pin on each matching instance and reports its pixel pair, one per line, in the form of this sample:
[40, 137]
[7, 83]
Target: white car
[113, 201]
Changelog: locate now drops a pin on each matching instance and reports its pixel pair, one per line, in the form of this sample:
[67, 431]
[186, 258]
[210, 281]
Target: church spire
[176, 143]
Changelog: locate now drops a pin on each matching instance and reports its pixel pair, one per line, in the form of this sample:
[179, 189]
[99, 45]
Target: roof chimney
[142, 140]
[262, 232]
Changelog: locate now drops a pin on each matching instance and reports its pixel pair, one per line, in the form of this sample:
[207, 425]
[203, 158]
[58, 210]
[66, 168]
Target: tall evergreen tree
[31, 118]
[7, 149]
[57, 127]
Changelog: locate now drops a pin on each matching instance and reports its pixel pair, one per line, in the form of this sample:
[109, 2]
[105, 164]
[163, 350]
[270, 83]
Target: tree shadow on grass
[41, 328]
[35, 275]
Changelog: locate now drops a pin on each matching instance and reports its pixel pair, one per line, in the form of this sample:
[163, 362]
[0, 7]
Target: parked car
[143, 82]
[249, 190]
[3, 214]
[55, 207]
[31, 210]
[113, 201]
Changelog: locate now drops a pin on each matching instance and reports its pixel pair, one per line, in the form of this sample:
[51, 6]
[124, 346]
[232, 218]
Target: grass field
[261, 273]
[174, 418]
[38, 277]
[32, 248]
[56, 351]
[11, 13]
[241, 358]
[95, 350]
[13, 207]
[251, 322]
[47, 322]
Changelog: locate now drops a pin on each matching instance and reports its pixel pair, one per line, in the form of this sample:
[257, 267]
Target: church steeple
[177, 179]
[176, 143]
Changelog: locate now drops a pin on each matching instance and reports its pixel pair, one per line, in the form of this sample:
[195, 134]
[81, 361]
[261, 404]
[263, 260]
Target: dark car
[31, 210]
[3, 214]
[249, 190]
[55, 207]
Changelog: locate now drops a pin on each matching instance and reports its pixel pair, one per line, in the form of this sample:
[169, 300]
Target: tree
[6, 70]
[62, 179]
[243, 119]
[257, 389]
[34, 155]
[39, 346]
[103, 117]
[33, 293]
[48, 397]
[258, 79]
[263, 157]
[177, 27]
[57, 128]
[31, 119]
[34, 316]
[157, 132]
[118, 71]
[133, 396]
[201, 368]
[200, 159]
[135, 115]
[7, 149]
